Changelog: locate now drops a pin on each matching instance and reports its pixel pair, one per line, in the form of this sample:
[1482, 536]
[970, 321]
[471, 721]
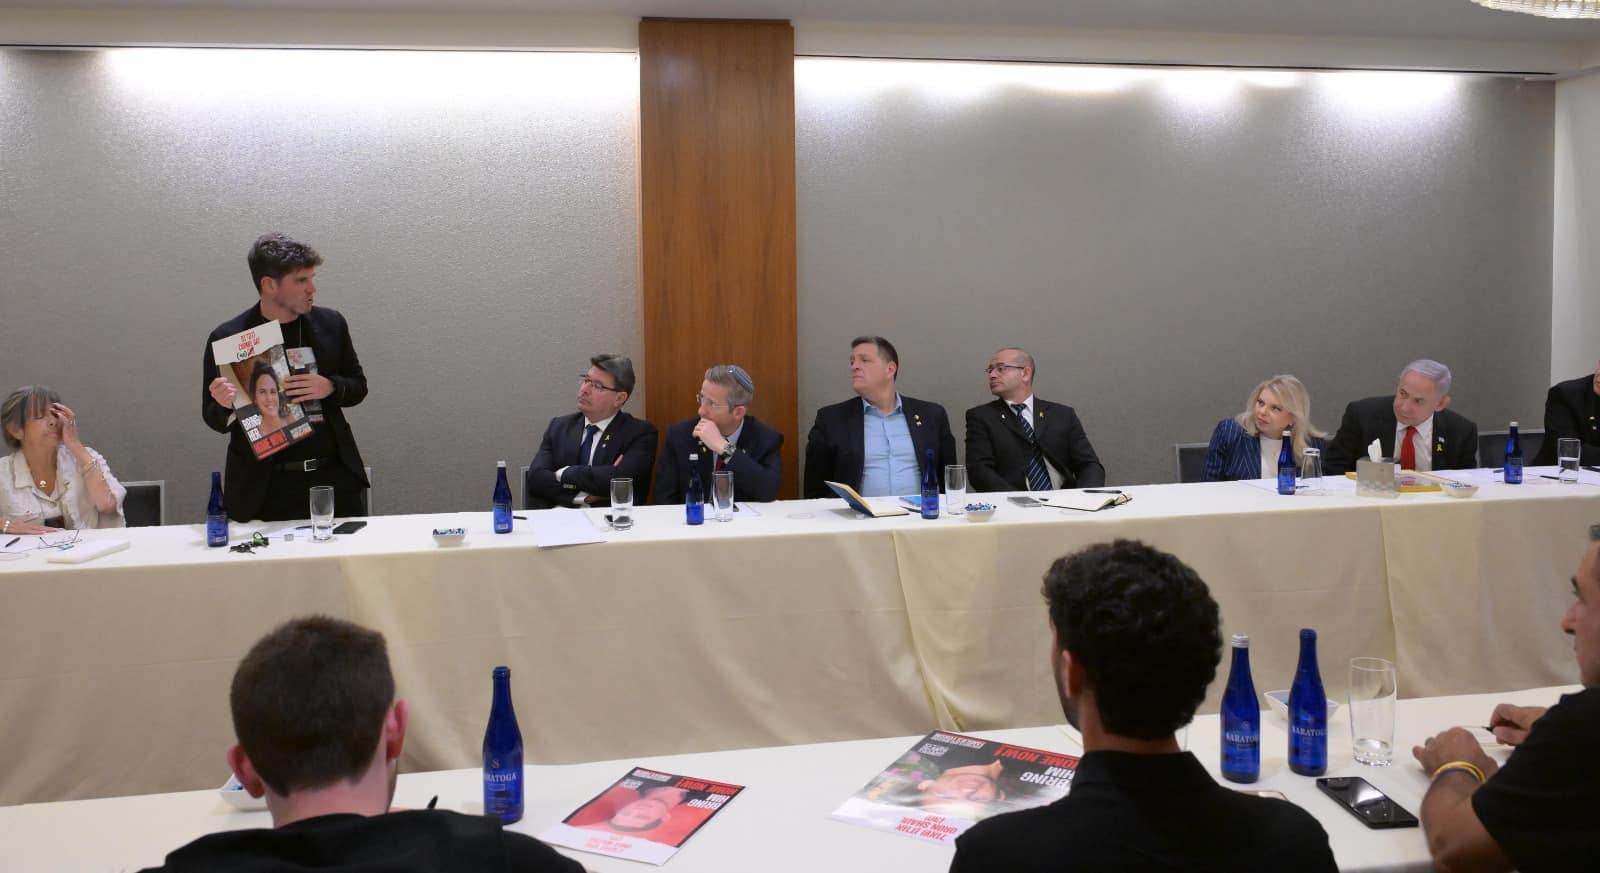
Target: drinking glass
[1372, 695]
[722, 494]
[955, 489]
[1311, 470]
[622, 503]
[322, 512]
[1568, 451]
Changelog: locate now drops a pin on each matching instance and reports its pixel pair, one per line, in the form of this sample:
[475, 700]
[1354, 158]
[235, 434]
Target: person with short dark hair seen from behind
[876, 442]
[1572, 409]
[1137, 640]
[1018, 442]
[319, 732]
[1541, 811]
[1413, 427]
[275, 488]
[581, 452]
[726, 437]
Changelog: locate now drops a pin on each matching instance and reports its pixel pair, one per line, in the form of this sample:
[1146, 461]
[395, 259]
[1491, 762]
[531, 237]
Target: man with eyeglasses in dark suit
[581, 453]
[1018, 442]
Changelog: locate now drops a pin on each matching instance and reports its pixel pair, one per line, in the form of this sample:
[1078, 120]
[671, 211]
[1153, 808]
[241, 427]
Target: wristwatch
[728, 451]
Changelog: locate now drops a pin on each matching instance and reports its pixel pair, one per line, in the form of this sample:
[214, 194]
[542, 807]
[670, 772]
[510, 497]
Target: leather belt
[307, 466]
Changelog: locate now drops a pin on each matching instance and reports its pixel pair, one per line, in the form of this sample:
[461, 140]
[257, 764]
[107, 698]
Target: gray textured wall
[1163, 245]
[477, 212]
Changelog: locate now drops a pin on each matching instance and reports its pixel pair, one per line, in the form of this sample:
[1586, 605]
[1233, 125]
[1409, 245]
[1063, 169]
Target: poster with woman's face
[646, 816]
[253, 362]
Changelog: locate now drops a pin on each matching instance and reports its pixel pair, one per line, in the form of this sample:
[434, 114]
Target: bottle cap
[1513, 424]
[694, 456]
[1307, 634]
[500, 463]
[502, 672]
[1241, 641]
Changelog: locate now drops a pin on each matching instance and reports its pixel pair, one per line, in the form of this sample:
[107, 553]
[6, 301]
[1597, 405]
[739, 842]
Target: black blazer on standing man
[836, 451]
[627, 449]
[998, 453]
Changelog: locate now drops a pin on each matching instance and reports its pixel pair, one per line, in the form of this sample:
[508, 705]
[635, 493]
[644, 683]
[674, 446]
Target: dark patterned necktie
[588, 444]
[1038, 476]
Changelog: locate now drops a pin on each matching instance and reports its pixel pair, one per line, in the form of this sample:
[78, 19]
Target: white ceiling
[1401, 19]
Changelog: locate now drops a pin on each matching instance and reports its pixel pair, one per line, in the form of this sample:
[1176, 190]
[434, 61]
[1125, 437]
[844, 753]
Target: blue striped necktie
[1038, 476]
[588, 444]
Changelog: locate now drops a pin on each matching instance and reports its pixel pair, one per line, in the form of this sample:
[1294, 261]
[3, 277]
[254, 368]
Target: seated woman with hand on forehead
[51, 480]
[1247, 445]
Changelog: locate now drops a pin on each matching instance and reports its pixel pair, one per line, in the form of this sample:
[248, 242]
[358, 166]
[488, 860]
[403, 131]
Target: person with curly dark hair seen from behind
[320, 731]
[1137, 639]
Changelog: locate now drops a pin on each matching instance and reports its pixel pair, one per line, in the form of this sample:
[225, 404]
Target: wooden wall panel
[717, 213]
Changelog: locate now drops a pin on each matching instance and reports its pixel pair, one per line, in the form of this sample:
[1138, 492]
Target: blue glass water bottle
[930, 488]
[1308, 712]
[216, 515]
[694, 501]
[502, 755]
[1286, 465]
[502, 500]
[1513, 457]
[1241, 718]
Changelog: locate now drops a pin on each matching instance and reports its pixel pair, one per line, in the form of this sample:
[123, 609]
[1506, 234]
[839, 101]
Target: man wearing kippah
[1541, 811]
[724, 437]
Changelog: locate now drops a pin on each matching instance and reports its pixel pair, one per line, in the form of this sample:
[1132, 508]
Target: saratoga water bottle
[502, 754]
[502, 500]
[930, 488]
[694, 501]
[1308, 712]
[1513, 466]
[1286, 465]
[216, 515]
[1241, 718]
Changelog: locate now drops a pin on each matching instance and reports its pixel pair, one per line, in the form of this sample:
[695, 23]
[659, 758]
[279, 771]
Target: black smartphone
[349, 527]
[1024, 501]
[1365, 802]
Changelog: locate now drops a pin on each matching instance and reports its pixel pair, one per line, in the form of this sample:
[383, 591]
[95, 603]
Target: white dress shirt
[1423, 445]
[22, 498]
[1027, 414]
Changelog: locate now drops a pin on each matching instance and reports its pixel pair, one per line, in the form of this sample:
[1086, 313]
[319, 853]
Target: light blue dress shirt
[889, 465]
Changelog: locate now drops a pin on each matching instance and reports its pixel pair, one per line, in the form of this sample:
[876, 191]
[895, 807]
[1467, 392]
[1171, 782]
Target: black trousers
[289, 494]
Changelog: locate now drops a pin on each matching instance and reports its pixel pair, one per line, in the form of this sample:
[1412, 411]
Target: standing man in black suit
[1572, 409]
[1018, 442]
[276, 488]
[581, 453]
[876, 443]
[1428, 436]
[726, 437]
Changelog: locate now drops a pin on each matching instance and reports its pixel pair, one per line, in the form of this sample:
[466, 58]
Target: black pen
[434, 802]
[1548, 476]
[14, 541]
[1591, 469]
[1102, 490]
[520, 517]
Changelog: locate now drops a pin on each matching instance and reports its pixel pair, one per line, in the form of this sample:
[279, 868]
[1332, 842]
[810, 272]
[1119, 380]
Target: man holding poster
[316, 375]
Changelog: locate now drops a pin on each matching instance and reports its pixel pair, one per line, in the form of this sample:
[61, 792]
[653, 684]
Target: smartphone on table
[1024, 501]
[1366, 802]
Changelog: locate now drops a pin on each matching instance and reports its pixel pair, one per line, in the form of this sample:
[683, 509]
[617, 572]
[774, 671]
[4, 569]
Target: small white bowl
[1279, 700]
[979, 512]
[1459, 489]
[240, 799]
[450, 536]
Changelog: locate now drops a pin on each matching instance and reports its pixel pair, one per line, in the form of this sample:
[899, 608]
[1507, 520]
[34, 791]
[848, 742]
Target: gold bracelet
[1463, 766]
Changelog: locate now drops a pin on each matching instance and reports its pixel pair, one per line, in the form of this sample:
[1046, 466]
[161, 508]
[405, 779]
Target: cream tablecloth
[800, 624]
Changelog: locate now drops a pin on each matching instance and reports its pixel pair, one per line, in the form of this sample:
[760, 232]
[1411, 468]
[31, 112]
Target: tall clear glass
[955, 489]
[322, 512]
[622, 503]
[722, 494]
[1311, 470]
[1372, 695]
[1568, 451]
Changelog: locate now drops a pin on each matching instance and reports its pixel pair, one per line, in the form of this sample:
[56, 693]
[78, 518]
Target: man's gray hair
[741, 388]
[1433, 370]
[620, 368]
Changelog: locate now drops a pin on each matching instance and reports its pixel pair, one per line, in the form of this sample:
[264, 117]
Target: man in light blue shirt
[877, 443]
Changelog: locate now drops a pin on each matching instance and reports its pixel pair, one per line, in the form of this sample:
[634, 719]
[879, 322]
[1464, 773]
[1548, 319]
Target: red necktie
[1408, 451]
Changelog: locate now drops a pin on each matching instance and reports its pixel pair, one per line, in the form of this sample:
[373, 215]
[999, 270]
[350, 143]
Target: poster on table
[254, 363]
[645, 816]
[946, 783]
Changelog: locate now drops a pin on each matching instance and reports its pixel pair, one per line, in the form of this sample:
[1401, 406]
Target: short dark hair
[619, 367]
[309, 701]
[1144, 628]
[885, 349]
[275, 256]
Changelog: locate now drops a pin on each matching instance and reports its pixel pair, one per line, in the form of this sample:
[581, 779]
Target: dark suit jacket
[245, 479]
[1234, 454]
[1571, 409]
[627, 450]
[998, 453]
[757, 465]
[835, 450]
[1455, 438]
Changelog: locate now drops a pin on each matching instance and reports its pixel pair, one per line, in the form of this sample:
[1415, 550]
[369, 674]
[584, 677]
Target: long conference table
[797, 622]
[780, 822]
